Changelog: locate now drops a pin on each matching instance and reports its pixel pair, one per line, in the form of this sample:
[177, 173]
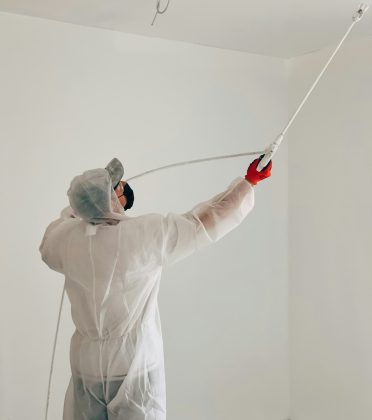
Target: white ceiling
[282, 28]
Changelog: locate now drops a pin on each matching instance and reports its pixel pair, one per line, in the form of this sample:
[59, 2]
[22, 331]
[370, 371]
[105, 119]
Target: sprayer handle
[265, 160]
[270, 152]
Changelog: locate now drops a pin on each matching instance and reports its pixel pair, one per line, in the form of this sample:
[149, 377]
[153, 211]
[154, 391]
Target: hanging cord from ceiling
[159, 11]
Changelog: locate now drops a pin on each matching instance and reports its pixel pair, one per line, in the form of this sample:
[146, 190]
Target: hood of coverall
[93, 199]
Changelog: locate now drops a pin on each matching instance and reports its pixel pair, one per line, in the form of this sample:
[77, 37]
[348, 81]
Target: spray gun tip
[363, 7]
[360, 12]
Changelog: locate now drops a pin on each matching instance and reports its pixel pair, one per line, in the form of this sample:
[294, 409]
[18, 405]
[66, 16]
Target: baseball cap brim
[116, 171]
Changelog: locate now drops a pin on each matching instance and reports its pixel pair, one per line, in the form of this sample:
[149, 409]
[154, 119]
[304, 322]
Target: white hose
[190, 162]
[54, 353]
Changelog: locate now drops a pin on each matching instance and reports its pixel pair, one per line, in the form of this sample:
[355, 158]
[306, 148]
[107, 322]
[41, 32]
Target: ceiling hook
[158, 11]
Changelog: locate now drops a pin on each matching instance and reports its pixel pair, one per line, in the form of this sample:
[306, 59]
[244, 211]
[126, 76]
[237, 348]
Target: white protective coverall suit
[112, 277]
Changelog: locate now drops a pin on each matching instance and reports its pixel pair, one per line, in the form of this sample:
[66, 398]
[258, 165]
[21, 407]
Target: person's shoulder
[148, 222]
[146, 230]
[146, 218]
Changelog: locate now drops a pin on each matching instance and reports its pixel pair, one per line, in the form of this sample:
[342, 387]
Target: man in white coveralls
[112, 265]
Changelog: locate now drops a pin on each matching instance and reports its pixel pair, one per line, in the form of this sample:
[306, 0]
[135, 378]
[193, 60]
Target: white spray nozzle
[360, 12]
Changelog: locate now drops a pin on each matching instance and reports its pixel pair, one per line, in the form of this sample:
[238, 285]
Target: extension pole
[272, 149]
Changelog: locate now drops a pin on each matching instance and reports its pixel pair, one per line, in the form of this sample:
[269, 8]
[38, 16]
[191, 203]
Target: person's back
[118, 260]
[112, 265]
[112, 280]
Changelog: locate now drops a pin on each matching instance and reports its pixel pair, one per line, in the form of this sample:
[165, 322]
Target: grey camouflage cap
[116, 171]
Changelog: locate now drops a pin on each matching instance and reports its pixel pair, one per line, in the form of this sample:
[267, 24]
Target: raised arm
[209, 221]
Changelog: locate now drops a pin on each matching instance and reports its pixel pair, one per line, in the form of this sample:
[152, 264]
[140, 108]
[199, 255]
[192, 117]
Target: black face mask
[129, 195]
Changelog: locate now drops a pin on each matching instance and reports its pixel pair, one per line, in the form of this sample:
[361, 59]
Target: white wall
[330, 233]
[71, 99]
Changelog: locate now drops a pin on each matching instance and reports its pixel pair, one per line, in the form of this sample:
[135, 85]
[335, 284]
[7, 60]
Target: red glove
[254, 176]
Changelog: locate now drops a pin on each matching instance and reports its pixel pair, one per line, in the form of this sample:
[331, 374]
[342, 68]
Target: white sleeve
[53, 247]
[207, 222]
